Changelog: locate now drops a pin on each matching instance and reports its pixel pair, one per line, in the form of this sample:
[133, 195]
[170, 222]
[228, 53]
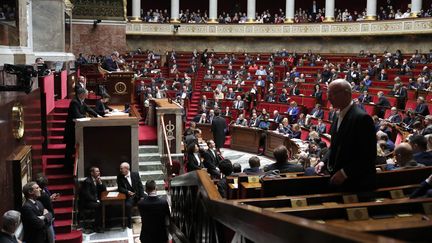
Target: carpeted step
[56, 131]
[63, 213]
[63, 226]
[56, 149]
[147, 135]
[60, 179]
[57, 116]
[63, 201]
[55, 169]
[55, 139]
[63, 189]
[56, 123]
[75, 236]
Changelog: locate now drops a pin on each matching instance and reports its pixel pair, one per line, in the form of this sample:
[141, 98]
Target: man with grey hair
[352, 153]
[11, 220]
[36, 219]
[130, 184]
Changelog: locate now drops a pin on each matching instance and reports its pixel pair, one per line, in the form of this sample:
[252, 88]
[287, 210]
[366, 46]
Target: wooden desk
[119, 200]
[206, 132]
[250, 189]
[275, 139]
[245, 138]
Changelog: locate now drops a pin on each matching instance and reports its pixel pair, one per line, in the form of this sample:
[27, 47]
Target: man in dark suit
[218, 127]
[155, 215]
[382, 105]
[101, 106]
[365, 97]
[211, 160]
[36, 219]
[317, 112]
[10, 222]
[394, 116]
[425, 189]
[277, 117]
[351, 162]
[90, 194]
[110, 63]
[129, 183]
[238, 104]
[421, 108]
[77, 109]
[80, 84]
[282, 164]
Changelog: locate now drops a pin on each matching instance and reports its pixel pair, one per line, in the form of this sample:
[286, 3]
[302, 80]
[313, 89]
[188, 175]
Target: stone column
[213, 14]
[175, 5]
[251, 10]
[416, 6]
[329, 11]
[289, 11]
[371, 10]
[136, 10]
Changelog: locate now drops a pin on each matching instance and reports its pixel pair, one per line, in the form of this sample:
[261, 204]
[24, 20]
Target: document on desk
[83, 119]
[112, 194]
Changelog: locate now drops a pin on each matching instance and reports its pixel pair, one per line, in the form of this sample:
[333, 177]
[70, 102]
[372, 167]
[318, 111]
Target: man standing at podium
[77, 109]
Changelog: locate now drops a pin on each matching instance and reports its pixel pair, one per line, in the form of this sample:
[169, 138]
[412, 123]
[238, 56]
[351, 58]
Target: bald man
[351, 161]
[404, 156]
[129, 183]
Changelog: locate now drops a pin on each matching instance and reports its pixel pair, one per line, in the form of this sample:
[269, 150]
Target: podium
[106, 143]
[119, 86]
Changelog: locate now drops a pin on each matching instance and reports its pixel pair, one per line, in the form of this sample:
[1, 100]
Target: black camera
[24, 74]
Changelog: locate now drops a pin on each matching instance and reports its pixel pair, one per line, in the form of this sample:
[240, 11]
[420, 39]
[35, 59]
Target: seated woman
[194, 156]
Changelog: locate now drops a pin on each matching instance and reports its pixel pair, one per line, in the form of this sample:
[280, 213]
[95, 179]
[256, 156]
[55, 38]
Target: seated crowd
[7, 13]
[314, 14]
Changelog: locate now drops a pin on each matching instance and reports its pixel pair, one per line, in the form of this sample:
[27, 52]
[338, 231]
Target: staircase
[151, 167]
[60, 179]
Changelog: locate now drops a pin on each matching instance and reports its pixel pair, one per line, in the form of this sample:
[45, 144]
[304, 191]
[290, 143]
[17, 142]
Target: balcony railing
[361, 28]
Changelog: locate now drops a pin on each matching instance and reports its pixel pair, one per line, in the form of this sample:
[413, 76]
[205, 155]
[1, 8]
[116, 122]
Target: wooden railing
[199, 211]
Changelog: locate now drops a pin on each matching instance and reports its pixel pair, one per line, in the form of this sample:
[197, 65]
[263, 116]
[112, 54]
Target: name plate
[352, 198]
[298, 202]
[397, 194]
[356, 214]
[253, 179]
[427, 207]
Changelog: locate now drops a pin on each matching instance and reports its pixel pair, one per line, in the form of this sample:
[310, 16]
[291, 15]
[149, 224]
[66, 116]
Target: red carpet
[147, 135]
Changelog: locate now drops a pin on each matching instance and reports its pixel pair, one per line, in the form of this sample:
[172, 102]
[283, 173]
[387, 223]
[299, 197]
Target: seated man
[404, 158]
[238, 104]
[365, 97]
[419, 146]
[129, 183]
[11, 220]
[241, 121]
[282, 164]
[226, 169]
[155, 214]
[317, 112]
[101, 106]
[394, 116]
[254, 164]
[90, 195]
[421, 108]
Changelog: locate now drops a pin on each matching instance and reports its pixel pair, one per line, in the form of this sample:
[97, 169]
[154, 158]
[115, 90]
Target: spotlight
[97, 21]
[176, 27]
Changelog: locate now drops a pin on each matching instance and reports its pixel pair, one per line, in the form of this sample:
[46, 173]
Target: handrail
[197, 205]
[75, 166]
[166, 139]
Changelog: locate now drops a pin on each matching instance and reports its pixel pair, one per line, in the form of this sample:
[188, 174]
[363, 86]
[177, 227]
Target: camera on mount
[24, 74]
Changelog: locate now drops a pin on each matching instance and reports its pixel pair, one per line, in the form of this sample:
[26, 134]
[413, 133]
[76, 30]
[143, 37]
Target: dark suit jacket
[365, 99]
[90, 192]
[7, 238]
[137, 186]
[353, 149]
[383, 102]
[192, 163]
[154, 213]
[320, 113]
[218, 127]
[285, 167]
[425, 189]
[422, 109]
[101, 107]
[75, 110]
[35, 229]
[295, 91]
[210, 162]
[110, 64]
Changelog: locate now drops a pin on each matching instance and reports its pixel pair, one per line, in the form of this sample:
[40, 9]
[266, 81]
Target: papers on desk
[112, 194]
[116, 113]
[83, 119]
